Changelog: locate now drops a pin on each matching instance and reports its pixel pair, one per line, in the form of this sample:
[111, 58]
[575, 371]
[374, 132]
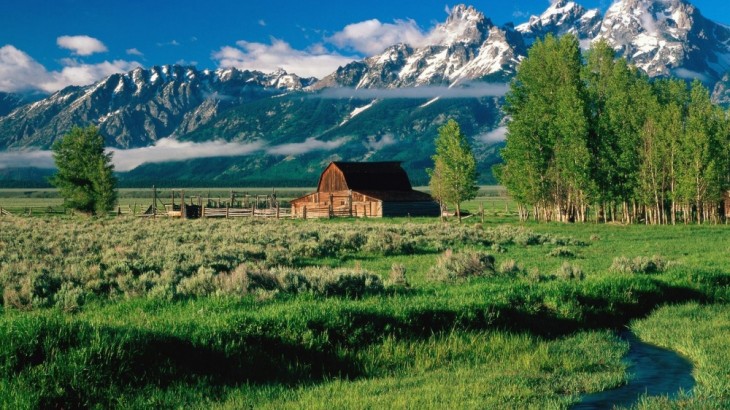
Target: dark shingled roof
[375, 176]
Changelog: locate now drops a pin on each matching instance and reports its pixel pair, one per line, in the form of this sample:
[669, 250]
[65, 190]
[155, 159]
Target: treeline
[591, 137]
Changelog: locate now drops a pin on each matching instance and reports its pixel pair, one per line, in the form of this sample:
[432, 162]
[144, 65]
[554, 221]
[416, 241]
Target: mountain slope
[142, 106]
[301, 123]
[466, 47]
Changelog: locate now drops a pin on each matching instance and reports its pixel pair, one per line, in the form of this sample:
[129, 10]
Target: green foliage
[454, 176]
[85, 176]
[458, 266]
[169, 313]
[698, 332]
[639, 264]
[597, 137]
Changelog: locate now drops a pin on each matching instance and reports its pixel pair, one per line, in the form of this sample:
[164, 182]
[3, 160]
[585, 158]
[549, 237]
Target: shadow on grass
[76, 364]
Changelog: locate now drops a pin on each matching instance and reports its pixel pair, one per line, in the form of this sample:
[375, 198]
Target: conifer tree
[85, 176]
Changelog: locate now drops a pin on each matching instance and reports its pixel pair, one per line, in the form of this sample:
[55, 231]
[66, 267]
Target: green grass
[700, 333]
[95, 313]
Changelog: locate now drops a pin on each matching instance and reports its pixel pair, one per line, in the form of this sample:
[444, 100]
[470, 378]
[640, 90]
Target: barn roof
[373, 176]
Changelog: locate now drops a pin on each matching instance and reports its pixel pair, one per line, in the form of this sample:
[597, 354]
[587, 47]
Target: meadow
[403, 313]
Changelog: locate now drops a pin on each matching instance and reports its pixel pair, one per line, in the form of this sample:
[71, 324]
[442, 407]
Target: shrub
[292, 281]
[389, 243]
[509, 268]
[200, 284]
[562, 252]
[452, 266]
[639, 264]
[328, 282]
[69, 298]
[398, 275]
[567, 271]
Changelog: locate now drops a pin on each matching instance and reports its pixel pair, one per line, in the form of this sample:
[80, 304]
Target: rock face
[466, 47]
[563, 17]
[721, 94]
[668, 37]
[140, 107]
[9, 102]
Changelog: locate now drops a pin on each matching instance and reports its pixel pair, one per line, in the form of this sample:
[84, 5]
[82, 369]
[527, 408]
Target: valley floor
[405, 313]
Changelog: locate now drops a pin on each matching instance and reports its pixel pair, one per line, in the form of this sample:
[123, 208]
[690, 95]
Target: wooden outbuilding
[364, 189]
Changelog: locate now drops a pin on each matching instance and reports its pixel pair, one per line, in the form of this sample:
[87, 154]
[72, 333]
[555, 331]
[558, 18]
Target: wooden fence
[245, 213]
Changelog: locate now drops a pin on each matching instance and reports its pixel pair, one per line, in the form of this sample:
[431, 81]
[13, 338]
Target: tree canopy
[454, 175]
[85, 176]
[592, 133]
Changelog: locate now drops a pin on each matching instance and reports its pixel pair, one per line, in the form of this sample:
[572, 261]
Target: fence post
[227, 208]
[304, 212]
[481, 210]
[332, 206]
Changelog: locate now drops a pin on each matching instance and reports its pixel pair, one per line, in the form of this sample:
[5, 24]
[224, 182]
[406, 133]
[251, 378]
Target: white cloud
[375, 144]
[173, 43]
[309, 145]
[166, 150]
[134, 52]
[262, 23]
[496, 135]
[472, 90]
[315, 62]
[169, 150]
[24, 159]
[372, 36]
[20, 72]
[81, 45]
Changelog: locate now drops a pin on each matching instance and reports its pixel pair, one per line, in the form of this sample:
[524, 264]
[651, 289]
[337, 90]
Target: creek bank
[654, 371]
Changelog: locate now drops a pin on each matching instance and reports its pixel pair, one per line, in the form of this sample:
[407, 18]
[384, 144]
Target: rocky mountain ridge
[141, 107]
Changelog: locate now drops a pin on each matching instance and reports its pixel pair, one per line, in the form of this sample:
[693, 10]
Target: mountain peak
[562, 17]
[667, 37]
[465, 25]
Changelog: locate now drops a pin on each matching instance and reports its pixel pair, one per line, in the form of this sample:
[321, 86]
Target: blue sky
[45, 45]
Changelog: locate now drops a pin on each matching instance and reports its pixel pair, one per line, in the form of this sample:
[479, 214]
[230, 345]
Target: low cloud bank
[168, 150]
[473, 90]
[24, 159]
[496, 135]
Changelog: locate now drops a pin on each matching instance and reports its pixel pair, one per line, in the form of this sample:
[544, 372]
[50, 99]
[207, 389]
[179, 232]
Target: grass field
[402, 313]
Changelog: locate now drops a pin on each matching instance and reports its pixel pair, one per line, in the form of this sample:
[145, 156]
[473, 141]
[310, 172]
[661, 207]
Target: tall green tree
[546, 159]
[85, 176]
[454, 176]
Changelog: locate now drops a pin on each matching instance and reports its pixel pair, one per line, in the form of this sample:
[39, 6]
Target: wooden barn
[364, 189]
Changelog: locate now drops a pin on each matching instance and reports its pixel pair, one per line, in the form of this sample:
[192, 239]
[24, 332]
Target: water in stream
[654, 371]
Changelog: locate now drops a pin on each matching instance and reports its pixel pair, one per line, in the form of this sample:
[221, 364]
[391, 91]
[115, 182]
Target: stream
[654, 371]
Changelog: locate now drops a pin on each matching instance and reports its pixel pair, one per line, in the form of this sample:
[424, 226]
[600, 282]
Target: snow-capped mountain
[142, 106]
[563, 17]
[668, 37]
[662, 37]
[468, 46]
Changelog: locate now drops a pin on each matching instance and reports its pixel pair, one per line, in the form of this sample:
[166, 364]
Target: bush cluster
[640, 264]
[65, 263]
[454, 266]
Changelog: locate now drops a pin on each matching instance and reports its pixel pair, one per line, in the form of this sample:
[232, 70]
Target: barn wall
[332, 180]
